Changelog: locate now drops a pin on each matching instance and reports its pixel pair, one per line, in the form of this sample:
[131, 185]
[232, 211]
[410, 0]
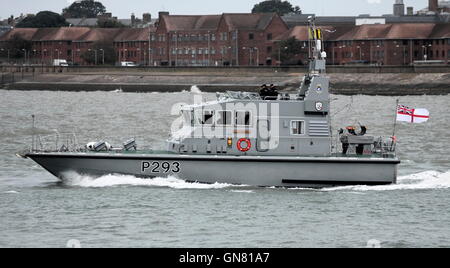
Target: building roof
[79, 34]
[374, 32]
[126, 34]
[237, 21]
[257, 21]
[60, 34]
[363, 32]
[441, 31]
[191, 23]
[99, 34]
[398, 31]
[24, 33]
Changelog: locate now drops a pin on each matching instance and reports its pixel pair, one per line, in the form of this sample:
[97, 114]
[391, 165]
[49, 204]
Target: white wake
[75, 179]
[419, 181]
[196, 90]
[11, 192]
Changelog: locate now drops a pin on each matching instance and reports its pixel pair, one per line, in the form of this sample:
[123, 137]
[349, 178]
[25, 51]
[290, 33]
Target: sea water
[38, 210]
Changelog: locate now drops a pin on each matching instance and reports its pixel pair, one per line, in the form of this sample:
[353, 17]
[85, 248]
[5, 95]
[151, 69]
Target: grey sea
[38, 210]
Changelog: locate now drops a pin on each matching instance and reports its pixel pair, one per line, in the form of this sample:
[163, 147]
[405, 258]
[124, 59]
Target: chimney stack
[433, 5]
[146, 18]
[163, 13]
[133, 20]
[399, 8]
[410, 11]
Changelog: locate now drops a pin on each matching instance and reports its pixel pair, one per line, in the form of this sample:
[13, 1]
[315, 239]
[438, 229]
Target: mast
[317, 56]
[32, 132]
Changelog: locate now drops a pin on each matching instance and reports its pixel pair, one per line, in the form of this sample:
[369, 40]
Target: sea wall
[227, 70]
[167, 80]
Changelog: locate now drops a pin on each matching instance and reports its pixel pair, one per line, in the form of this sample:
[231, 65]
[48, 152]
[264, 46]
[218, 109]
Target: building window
[297, 127]
[269, 50]
[213, 37]
[223, 36]
[251, 36]
[224, 118]
[269, 36]
[234, 35]
[243, 118]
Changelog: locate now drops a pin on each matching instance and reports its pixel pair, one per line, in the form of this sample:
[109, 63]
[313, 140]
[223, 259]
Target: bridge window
[243, 118]
[208, 117]
[224, 118]
[297, 127]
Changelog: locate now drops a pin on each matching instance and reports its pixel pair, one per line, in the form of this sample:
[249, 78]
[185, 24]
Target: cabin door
[262, 144]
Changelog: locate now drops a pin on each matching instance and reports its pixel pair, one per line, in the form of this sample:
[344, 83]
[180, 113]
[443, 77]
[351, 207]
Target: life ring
[246, 148]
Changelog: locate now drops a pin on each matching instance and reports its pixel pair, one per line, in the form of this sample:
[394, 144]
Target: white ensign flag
[411, 115]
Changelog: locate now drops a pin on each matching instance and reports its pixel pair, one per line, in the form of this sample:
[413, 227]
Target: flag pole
[394, 139]
[395, 117]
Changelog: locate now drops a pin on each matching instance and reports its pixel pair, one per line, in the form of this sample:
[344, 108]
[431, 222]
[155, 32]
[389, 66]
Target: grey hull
[245, 170]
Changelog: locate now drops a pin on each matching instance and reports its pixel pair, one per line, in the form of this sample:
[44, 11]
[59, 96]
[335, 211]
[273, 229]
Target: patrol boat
[267, 139]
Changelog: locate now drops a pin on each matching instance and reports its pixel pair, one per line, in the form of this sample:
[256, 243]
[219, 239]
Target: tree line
[94, 9]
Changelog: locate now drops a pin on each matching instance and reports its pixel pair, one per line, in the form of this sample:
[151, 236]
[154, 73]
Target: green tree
[277, 6]
[84, 9]
[44, 19]
[104, 47]
[17, 46]
[110, 23]
[289, 50]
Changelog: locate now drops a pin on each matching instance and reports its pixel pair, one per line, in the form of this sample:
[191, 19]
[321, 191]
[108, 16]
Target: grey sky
[123, 8]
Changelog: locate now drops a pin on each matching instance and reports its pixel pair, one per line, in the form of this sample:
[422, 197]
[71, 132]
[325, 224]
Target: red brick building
[71, 43]
[387, 44]
[216, 40]
[134, 45]
[233, 39]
